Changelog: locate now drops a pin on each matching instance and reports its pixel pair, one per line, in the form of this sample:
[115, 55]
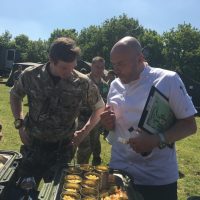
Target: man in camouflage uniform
[55, 93]
[110, 77]
[92, 144]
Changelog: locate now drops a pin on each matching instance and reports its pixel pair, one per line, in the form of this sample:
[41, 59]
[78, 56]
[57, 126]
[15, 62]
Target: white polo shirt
[128, 101]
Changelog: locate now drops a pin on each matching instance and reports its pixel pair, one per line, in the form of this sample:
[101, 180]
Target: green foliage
[5, 39]
[116, 28]
[98, 40]
[177, 49]
[153, 43]
[22, 43]
[90, 41]
[182, 50]
[63, 33]
[37, 51]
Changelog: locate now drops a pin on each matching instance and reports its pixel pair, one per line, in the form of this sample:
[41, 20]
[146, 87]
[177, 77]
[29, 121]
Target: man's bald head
[127, 59]
[128, 43]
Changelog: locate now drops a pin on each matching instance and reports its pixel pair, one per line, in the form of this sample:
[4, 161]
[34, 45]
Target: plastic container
[9, 163]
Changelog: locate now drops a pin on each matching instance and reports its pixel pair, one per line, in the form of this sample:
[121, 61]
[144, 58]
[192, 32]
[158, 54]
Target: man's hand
[108, 118]
[143, 142]
[24, 137]
[79, 136]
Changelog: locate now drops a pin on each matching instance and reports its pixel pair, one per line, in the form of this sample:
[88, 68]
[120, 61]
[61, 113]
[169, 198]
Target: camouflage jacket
[102, 86]
[53, 109]
[86, 111]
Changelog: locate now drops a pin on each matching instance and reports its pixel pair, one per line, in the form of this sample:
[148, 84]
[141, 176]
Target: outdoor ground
[188, 150]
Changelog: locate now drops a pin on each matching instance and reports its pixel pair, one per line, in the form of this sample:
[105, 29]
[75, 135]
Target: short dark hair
[64, 49]
[98, 59]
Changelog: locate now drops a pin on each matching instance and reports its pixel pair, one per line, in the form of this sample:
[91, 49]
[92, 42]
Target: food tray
[54, 189]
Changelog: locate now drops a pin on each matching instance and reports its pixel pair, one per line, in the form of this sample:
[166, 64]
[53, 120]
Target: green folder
[157, 115]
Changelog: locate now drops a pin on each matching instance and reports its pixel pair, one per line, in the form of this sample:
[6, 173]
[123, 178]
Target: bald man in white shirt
[155, 176]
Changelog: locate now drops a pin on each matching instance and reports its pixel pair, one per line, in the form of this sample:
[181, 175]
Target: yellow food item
[71, 190]
[92, 177]
[71, 187]
[101, 168]
[67, 197]
[73, 181]
[73, 178]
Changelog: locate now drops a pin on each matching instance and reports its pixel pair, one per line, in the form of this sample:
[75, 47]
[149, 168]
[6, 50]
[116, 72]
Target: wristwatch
[163, 142]
[18, 123]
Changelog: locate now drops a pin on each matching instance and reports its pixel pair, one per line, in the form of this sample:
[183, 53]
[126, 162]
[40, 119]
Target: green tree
[152, 44]
[116, 28]
[5, 39]
[98, 40]
[90, 41]
[63, 33]
[37, 51]
[22, 44]
[182, 50]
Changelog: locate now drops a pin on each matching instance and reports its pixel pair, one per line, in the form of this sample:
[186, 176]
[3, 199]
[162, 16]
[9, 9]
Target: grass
[188, 150]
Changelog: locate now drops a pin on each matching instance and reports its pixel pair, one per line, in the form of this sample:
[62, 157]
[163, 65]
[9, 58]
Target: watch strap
[163, 142]
[18, 123]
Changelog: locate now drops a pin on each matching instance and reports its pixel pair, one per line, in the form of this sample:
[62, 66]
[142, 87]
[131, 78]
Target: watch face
[18, 123]
[162, 145]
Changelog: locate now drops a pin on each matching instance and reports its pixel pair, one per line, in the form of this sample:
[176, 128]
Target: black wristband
[18, 123]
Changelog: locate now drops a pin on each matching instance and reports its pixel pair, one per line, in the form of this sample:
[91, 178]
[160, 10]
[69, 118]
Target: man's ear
[141, 58]
[52, 61]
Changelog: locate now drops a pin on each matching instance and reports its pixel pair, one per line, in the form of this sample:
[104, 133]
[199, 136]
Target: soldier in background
[92, 144]
[55, 93]
[110, 76]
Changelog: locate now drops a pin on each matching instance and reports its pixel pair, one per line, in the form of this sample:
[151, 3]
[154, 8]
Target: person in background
[155, 175]
[55, 92]
[92, 144]
[110, 77]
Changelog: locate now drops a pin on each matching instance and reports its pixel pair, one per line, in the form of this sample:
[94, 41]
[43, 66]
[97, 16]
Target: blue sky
[38, 18]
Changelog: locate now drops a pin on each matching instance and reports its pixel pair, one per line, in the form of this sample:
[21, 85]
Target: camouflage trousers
[41, 159]
[91, 145]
